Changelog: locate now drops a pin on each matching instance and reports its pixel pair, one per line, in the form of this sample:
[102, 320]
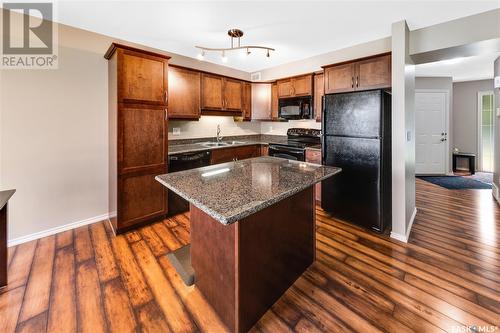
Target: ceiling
[461, 69]
[296, 29]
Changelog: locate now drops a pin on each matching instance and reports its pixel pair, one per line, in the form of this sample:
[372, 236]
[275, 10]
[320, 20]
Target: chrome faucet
[219, 137]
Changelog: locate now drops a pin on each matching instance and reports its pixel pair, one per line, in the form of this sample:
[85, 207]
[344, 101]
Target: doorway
[431, 132]
[485, 130]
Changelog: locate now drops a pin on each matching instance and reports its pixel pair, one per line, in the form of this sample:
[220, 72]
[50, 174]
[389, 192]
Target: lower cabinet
[314, 156]
[224, 155]
[141, 198]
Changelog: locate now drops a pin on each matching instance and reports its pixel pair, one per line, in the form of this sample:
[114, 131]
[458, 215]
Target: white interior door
[431, 133]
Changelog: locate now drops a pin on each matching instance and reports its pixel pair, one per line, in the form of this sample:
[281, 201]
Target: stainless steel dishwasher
[181, 162]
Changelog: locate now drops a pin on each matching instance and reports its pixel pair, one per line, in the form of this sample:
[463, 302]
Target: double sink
[211, 144]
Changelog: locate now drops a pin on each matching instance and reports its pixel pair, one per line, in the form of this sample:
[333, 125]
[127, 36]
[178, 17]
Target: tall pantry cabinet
[138, 142]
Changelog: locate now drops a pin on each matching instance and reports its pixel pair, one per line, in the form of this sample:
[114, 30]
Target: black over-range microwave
[295, 108]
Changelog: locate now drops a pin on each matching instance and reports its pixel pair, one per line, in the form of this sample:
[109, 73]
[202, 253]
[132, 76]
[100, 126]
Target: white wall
[403, 133]
[496, 175]
[446, 84]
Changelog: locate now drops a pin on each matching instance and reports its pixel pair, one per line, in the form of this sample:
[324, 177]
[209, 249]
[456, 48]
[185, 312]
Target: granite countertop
[232, 191]
[5, 196]
[193, 145]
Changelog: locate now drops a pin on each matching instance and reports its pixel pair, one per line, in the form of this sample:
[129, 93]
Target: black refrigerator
[357, 138]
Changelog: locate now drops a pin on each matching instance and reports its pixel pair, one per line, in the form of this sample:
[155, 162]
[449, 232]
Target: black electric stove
[298, 139]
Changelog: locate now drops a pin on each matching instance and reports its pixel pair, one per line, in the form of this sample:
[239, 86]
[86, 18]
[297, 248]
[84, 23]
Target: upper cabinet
[274, 101]
[247, 101]
[233, 94]
[365, 74]
[295, 86]
[220, 93]
[211, 92]
[183, 93]
[319, 92]
[143, 77]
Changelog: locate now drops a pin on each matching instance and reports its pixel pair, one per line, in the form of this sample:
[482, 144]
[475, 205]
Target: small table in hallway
[470, 157]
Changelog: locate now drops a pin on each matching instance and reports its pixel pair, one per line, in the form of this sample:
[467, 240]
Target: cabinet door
[233, 94]
[183, 93]
[319, 92]
[373, 73]
[314, 156]
[247, 100]
[141, 199]
[142, 78]
[285, 88]
[211, 92]
[274, 101]
[302, 85]
[339, 78]
[142, 139]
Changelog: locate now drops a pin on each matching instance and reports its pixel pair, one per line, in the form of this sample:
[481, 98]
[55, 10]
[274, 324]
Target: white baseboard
[52, 231]
[404, 238]
[496, 192]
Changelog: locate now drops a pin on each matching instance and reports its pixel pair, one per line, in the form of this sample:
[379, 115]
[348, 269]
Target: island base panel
[242, 269]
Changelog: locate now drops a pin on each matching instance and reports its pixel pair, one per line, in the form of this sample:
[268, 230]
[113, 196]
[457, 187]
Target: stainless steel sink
[221, 144]
[215, 144]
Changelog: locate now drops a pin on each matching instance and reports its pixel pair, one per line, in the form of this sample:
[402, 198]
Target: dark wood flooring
[447, 276]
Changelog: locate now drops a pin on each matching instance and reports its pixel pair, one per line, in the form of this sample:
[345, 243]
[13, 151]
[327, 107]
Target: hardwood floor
[447, 276]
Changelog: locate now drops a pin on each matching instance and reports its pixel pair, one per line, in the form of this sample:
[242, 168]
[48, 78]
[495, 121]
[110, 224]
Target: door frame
[447, 164]
[479, 124]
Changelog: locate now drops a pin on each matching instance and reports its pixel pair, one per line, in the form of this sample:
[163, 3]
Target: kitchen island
[252, 232]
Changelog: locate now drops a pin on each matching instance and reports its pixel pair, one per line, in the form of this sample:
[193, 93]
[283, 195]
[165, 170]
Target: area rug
[457, 182]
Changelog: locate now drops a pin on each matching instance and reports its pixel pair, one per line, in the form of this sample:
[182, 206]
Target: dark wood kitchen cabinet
[295, 86]
[223, 155]
[138, 100]
[247, 101]
[184, 93]
[319, 92]
[221, 94]
[363, 74]
[274, 101]
[314, 156]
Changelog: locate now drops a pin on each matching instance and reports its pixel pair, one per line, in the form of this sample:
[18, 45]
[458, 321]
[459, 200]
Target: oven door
[289, 153]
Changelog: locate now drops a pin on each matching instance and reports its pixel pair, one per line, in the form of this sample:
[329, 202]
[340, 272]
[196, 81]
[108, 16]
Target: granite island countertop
[232, 191]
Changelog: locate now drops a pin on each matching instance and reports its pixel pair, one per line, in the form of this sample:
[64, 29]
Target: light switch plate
[176, 131]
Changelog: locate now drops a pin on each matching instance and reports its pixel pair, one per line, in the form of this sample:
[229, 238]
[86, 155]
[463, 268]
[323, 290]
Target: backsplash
[207, 125]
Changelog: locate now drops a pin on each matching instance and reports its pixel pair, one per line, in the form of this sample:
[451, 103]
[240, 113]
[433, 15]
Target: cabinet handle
[352, 82]
[166, 113]
[357, 81]
[166, 96]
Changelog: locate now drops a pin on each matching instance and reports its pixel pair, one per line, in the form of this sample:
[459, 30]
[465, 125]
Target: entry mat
[459, 182]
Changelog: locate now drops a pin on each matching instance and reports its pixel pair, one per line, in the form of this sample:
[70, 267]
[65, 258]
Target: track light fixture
[234, 34]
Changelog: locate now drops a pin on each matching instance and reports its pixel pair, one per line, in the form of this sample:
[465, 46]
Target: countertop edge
[5, 197]
[234, 218]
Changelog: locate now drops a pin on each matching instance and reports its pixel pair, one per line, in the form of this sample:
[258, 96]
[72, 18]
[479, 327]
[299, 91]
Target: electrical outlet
[176, 131]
